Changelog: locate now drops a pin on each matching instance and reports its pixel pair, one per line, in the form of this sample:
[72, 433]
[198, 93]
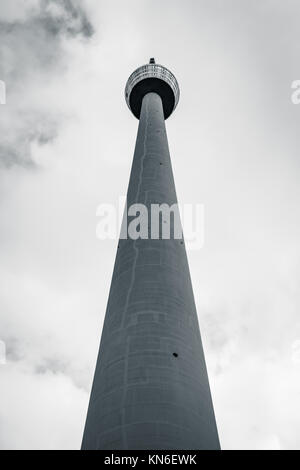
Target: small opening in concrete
[175, 354]
[160, 164]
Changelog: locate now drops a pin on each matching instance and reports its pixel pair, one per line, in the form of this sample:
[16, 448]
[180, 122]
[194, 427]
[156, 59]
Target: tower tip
[152, 78]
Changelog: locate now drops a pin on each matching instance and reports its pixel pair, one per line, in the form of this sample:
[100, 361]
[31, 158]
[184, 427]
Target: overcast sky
[67, 140]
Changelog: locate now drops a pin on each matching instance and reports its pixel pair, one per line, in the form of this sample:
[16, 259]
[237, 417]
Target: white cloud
[18, 10]
[39, 411]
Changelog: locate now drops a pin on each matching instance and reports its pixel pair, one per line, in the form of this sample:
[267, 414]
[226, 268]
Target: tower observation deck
[150, 388]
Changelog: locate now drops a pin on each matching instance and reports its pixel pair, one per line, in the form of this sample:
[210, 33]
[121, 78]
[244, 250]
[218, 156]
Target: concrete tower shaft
[150, 388]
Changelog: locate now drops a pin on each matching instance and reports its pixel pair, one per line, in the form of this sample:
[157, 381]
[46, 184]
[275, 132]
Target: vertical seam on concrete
[124, 437]
[136, 201]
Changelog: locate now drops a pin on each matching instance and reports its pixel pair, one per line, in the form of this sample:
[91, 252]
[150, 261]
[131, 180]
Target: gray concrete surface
[150, 387]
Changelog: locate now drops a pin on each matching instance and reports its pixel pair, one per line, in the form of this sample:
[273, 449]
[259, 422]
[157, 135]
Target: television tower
[151, 388]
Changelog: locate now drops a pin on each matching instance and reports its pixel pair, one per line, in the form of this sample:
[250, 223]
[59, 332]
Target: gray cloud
[65, 17]
[16, 149]
[31, 51]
